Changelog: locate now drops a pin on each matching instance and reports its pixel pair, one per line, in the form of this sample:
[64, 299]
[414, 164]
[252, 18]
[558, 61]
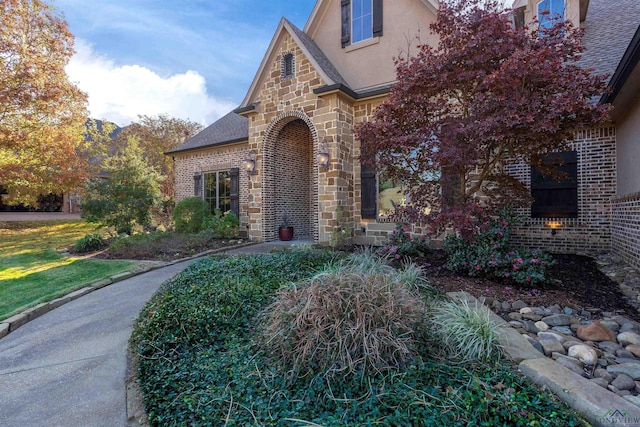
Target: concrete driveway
[67, 367]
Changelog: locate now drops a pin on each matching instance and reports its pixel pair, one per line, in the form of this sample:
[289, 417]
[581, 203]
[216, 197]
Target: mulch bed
[171, 247]
[574, 281]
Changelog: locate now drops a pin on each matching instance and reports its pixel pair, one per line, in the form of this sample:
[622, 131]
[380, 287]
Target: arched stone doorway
[291, 182]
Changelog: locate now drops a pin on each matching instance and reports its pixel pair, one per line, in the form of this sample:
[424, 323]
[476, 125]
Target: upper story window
[361, 20]
[288, 65]
[550, 12]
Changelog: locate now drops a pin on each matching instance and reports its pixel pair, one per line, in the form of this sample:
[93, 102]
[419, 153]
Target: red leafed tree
[42, 114]
[487, 94]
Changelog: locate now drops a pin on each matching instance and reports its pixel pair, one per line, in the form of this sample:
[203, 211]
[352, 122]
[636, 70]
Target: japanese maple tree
[42, 114]
[488, 94]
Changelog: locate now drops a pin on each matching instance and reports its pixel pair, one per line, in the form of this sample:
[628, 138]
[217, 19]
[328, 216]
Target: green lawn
[31, 269]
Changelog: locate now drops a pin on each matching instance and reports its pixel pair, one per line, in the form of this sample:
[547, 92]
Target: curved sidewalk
[67, 367]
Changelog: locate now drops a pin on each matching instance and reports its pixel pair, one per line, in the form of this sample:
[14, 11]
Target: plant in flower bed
[205, 357]
[89, 243]
[401, 245]
[222, 225]
[358, 317]
[489, 254]
[161, 245]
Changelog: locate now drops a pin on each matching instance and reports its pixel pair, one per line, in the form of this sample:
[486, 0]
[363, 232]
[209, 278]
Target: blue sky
[187, 58]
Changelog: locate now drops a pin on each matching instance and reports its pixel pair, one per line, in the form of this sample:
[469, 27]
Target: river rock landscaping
[585, 317]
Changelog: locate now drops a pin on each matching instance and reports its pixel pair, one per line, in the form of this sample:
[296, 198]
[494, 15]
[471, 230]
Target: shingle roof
[609, 28]
[321, 59]
[230, 128]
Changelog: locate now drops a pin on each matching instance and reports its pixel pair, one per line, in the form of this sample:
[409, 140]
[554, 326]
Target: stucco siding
[629, 152]
[370, 62]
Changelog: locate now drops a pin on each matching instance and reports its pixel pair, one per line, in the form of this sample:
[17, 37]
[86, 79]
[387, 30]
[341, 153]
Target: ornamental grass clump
[354, 319]
[466, 330]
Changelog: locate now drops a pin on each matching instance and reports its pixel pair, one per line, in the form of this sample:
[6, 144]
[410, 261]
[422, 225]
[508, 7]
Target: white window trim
[362, 44]
[352, 29]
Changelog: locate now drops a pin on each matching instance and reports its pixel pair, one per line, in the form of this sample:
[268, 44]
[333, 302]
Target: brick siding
[625, 230]
[292, 167]
[590, 232]
[212, 160]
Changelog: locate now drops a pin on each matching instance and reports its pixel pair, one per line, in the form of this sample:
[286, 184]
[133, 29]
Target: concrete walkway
[68, 366]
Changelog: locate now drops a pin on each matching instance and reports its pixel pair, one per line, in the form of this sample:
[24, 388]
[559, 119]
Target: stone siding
[625, 231]
[280, 102]
[590, 232]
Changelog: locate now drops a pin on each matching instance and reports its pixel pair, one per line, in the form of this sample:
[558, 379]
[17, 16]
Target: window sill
[362, 44]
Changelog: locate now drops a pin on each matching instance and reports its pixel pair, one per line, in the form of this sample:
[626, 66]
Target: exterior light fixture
[554, 225]
[324, 157]
[249, 164]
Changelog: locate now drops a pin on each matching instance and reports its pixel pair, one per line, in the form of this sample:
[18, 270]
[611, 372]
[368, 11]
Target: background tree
[126, 196]
[487, 94]
[42, 113]
[156, 136]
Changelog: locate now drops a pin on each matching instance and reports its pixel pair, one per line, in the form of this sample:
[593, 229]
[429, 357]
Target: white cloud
[121, 93]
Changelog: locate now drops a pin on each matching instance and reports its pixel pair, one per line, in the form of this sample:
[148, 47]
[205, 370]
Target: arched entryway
[290, 186]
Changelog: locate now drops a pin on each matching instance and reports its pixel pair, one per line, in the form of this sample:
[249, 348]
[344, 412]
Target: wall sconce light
[249, 164]
[324, 157]
[554, 225]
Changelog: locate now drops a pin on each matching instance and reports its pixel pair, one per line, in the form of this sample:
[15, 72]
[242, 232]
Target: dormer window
[361, 20]
[288, 65]
[550, 12]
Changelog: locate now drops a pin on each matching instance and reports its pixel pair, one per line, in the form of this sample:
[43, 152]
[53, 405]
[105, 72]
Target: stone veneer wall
[212, 160]
[625, 230]
[368, 231]
[590, 232]
[293, 191]
[280, 101]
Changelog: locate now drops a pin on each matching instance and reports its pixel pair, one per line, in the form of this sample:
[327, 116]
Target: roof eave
[202, 147]
[628, 62]
[339, 87]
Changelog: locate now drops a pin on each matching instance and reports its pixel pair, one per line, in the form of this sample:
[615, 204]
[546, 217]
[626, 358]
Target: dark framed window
[197, 184]
[556, 195]
[288, 66]
[380, 195]
[361, 20]
[217, 190]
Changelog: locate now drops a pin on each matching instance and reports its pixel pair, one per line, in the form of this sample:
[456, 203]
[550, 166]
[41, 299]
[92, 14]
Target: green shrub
[489, 254]
[467, 331]
[222, 225]
[89, 243]
[127, 196]
[189, 214]
[345, 321]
